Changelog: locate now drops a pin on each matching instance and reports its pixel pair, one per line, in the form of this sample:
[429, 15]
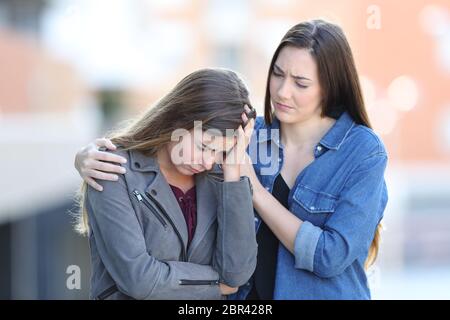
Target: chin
[184, 171]
[285, 117]
[297, 117]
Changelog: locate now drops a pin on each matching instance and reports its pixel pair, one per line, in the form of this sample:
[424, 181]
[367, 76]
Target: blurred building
[42, 121]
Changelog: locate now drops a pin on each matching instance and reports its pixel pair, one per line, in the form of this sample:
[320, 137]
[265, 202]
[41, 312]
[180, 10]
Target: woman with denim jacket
[318, 173]
[175, 226]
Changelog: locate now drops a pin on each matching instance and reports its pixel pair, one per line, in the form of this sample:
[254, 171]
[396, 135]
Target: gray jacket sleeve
[236, 248]
[121, 246]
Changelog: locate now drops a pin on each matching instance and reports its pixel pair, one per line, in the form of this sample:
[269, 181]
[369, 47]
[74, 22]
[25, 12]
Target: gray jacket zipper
[186, 282]
[105, 294]
[161, 209]
[142, 199]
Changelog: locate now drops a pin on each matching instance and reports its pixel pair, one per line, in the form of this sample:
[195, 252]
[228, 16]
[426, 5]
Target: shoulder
[112, 188]
[263, 130]
[365, 141]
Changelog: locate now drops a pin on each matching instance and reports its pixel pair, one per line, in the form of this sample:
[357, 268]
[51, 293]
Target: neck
[306, 133]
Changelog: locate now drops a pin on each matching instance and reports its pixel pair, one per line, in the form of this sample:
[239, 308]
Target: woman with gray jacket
[176, 225]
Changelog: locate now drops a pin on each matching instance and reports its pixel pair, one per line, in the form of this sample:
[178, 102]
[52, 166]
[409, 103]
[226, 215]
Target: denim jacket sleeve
[236, 249]
[349, 231]
[121, 246]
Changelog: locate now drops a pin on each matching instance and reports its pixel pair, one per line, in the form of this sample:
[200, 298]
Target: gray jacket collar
[142, 163]
[160, 190]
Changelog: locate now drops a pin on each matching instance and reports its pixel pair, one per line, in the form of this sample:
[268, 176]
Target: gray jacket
[138, 235]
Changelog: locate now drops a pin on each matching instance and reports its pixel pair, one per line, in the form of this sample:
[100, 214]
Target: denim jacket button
[312, 207]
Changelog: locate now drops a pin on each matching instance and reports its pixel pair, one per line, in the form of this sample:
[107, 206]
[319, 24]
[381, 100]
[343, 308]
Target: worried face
[294, 86]
[197, 150]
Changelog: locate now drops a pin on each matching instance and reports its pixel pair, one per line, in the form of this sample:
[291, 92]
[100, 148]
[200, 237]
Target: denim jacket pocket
[314, 201]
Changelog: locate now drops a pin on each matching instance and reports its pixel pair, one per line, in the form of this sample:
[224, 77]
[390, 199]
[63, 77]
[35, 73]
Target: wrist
[231, 174]
[258, 191]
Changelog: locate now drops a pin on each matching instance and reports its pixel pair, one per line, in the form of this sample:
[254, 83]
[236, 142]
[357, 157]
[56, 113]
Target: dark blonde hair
[216, 97]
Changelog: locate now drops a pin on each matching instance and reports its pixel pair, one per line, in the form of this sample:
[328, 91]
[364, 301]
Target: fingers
[104, 142]
[93, 184]
[106, 156]
[244, 118]
[101, 175]
[249, 128]
[250, 111]
[241, 145]
[90, 163]
[107, 167]
[243, 136]
[246, 114]
[240, 136]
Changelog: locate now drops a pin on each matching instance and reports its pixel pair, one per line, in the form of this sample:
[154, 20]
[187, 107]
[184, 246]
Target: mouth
[194, 170]
[282, 107]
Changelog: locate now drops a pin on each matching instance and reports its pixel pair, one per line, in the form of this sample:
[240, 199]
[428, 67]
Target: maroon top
[188, 205]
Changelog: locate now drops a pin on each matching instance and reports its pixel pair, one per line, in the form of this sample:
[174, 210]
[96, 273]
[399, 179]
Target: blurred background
[69, 70]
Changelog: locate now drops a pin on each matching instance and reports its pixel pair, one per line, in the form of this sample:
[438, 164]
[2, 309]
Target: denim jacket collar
[332, 139]
[266, 135]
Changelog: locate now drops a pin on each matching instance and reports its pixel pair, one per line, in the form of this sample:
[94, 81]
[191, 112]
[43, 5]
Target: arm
[236, 248]
[349, 231]
[122, 248]
[328, 251]
[280, 220]
[94, 164]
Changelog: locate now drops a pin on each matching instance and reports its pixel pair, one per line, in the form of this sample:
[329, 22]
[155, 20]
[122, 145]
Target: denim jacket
[340, 197]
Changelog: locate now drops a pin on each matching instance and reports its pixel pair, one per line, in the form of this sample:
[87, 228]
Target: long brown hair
[338, 78]
[216, 97]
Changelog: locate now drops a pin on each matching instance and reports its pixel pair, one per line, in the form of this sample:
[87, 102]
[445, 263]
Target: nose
[208, 161]
[284, 90]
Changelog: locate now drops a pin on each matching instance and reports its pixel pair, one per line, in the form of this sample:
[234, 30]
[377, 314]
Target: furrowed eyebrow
[278, 69]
